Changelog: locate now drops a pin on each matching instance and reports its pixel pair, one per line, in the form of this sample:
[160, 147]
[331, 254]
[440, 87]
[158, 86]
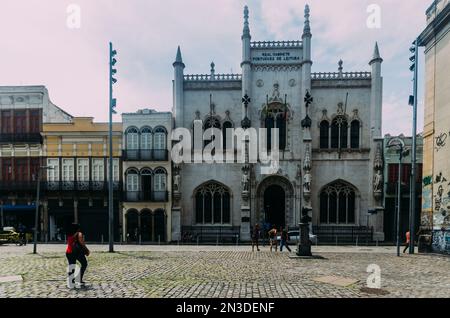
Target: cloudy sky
[38, 48]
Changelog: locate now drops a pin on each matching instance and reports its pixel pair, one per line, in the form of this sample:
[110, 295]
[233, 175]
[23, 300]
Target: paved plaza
[223, 272]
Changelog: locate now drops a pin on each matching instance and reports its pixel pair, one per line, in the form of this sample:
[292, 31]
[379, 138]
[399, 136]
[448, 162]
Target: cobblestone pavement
[222, 272]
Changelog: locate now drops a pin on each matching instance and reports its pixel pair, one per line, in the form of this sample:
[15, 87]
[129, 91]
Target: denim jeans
[284, 243]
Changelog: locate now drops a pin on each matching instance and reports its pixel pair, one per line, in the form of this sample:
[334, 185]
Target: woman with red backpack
[76, 251]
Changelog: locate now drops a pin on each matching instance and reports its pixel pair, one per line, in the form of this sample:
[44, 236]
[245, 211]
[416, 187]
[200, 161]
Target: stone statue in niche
[378, 182]
[245, 180]
[176, 180]
[307, 182]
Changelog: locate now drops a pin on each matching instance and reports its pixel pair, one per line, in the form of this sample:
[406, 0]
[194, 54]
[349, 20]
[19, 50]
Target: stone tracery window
[211, 122]
[213, 204]
[338, 204]
[340, 134]
[276, 115]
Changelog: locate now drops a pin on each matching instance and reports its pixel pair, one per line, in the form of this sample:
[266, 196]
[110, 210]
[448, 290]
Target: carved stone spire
[307, 27]
[246, 32]
[178, 58]
[376, 55]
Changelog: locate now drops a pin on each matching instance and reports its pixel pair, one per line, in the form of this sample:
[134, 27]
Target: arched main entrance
[275, 206]
[274, 202]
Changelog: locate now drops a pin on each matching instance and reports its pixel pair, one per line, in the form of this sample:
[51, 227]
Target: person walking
[22, 234]
[255, 237]
[76, 251]
[408, 240]
[284, 238]
[273, 238]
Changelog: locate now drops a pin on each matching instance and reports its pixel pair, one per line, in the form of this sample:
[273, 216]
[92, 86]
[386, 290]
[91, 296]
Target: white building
[330, 152]
[146, 213]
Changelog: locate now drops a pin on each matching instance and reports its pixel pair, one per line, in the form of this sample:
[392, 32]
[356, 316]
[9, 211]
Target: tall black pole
[36, 215]
[412, 212]
[111, 166]
[399, 198]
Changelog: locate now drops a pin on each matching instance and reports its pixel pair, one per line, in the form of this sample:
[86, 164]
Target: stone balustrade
[275, 44]
[215, 77]
[341, 75]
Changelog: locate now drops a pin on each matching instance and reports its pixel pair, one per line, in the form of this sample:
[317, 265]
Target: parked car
[9, 235]
[294, 237]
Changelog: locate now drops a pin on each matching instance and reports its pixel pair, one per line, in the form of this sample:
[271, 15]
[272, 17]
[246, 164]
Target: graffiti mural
[441, 141]
[441, 241]
[441, 202]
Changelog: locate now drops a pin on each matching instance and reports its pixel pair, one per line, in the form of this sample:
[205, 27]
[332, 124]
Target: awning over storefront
[18, 208]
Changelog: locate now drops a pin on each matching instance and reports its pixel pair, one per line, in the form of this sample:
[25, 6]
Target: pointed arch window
[338, 204]
[211, 122]
[276, 115]
[339, 133]
[226, 127]
[212, 204]
[355, 134]
[324, 134]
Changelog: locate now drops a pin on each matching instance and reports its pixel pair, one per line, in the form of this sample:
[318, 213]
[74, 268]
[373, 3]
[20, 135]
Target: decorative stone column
[176, 204]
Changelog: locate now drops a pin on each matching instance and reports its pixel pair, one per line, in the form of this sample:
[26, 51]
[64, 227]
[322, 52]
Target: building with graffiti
[436, 163]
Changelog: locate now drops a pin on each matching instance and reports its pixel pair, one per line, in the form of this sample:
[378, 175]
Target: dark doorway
[160, 226]
[132, 226]
[146, 186]
[274, 205]
[146, 226]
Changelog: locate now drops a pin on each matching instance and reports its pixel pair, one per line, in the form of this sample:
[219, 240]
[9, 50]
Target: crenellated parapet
[341, 75]
[276, 44]
[212, 77]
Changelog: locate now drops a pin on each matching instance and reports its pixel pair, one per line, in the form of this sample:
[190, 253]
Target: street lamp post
[36, 215]
[412, 213]
[1, 214]
[112, 106]
[400, 145]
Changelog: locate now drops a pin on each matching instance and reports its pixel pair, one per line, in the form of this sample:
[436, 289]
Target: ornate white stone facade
[278, 75]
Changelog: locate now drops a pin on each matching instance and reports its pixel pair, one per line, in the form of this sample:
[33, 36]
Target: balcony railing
[146, 155]
[79, 185]
[25, 138]
[141, 196]
[6, 186]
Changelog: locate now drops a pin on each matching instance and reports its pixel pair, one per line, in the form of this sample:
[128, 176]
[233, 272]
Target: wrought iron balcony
[79, 186]
[146, 155]
[19, 186]
[35, 138]
[141, 196]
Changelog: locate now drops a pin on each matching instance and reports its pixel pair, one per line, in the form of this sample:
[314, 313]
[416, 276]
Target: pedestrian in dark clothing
[284, 238]
[76, 251]
[255, 237]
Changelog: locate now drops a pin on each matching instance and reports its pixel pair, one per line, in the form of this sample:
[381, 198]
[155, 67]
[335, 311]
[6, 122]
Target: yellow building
[76, 188]
[436, 163]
